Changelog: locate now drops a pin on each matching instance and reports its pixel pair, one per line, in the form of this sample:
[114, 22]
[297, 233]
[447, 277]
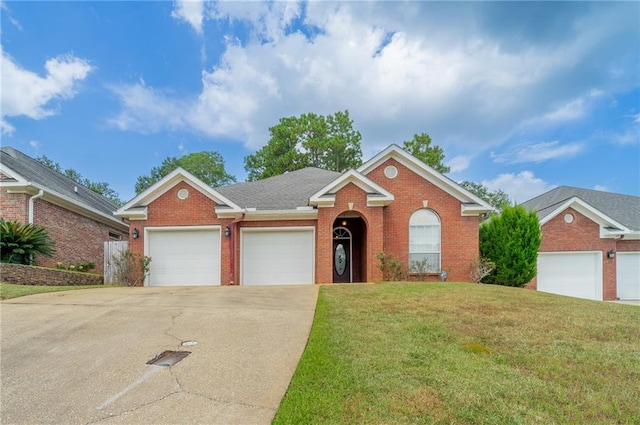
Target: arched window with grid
[424, 241]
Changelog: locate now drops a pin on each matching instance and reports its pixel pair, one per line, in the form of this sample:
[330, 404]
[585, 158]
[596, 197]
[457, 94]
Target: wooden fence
[112, 250]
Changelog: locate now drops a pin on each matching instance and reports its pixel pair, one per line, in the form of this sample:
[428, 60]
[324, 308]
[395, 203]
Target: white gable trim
[376, 194]
[423, 170]
[20, 181]
[609, 228]
[132, 208]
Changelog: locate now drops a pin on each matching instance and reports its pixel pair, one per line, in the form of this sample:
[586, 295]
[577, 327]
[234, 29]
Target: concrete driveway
[79, 357]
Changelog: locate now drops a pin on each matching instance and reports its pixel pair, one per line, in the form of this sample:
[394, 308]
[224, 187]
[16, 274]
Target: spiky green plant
[20, 243]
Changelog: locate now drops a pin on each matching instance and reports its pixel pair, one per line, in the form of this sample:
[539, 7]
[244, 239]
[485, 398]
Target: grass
[9, 290]
[447, 353]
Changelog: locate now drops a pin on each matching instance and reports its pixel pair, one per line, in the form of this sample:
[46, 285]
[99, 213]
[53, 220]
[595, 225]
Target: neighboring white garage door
[183, 256]
[280, 256]
[628, 275]
[576, 274]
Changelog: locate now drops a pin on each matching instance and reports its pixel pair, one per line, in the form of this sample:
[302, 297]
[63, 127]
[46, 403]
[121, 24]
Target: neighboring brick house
[590, 244]
[77, 219]
[306, 226]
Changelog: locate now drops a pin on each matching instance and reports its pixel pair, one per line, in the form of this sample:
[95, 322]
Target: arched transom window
[424, 242]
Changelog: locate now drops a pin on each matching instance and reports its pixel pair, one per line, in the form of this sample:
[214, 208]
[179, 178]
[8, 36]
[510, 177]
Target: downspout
[40, 194]
[233, 226]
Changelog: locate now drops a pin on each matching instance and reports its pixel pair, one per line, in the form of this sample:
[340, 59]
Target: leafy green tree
[497, 199]
[21, 243]
[420, 147]
[101, 188]
[511, 241]
[310, 140]
[208, 166]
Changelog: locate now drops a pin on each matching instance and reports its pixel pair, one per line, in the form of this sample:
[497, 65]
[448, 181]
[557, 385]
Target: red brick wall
[581, 235]
[460, 235]
[623, 245]
[78, 239]
[14, 206]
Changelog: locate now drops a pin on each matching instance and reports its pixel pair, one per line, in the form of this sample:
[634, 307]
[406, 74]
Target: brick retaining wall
[32, 275]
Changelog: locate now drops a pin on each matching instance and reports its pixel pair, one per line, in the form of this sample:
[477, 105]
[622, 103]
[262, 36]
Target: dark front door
[341, 260]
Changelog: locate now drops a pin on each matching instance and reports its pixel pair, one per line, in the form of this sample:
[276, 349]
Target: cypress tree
[511, 240]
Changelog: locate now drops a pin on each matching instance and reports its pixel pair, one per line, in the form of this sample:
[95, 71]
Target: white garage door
[183, 256]
[628, 275]
[282, 256]
[576, 274]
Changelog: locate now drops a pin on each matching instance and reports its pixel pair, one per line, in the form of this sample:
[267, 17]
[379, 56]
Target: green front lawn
[447, 353]
[9, 290]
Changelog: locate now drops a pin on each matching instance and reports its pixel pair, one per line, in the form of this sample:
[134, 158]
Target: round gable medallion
[568, 218]
[183, 194]
[391, 172]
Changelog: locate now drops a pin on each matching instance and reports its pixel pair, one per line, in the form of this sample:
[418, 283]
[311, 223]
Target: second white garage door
[183, 256]
[576, 274]
[277, 256]
[628, 275]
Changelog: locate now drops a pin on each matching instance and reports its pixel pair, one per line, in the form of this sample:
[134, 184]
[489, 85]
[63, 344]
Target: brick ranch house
[590, 244]
[77, 219]
[306, 226]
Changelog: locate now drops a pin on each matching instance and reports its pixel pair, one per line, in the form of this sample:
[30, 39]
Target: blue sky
[522, 97]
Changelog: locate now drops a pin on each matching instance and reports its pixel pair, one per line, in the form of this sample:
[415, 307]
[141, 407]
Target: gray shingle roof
[284, 192]
[624, 209]
[34, 172]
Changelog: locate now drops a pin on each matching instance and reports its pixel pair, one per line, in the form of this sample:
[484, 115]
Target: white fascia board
[266, 215]
[376, 194]
[133, 214]
[591, 213]
[73, 205]
[167, 182]
[423, 170]
[469, 210]
[20, 181]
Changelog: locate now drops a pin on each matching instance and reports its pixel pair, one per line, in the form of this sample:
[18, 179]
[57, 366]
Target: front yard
[451, 353]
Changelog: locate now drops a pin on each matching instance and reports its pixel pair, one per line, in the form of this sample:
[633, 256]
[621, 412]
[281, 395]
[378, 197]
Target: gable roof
[376, 194]
[24, 174]
[287, 191]
[137, 207]
[616, 211]
[470, 203]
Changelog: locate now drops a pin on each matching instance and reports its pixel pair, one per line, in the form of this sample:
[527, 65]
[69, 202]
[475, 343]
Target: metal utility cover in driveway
[168, 358]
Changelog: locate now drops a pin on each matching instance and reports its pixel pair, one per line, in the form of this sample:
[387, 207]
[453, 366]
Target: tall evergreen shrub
[511, 240]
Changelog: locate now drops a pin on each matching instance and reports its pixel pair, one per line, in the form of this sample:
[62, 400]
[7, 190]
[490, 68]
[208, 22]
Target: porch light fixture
[344, 222]
[135, 233]
[611, 254]
[227, 232]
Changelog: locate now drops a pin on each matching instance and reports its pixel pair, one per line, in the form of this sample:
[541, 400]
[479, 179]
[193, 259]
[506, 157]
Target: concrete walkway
[79, 357]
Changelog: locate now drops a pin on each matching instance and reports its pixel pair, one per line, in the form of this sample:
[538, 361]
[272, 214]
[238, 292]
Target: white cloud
[538, 152]
[26, 93]
[6, 128]
[400, 68]
[520, 187]
[459, 163]
[601, 188]
[191, 12]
